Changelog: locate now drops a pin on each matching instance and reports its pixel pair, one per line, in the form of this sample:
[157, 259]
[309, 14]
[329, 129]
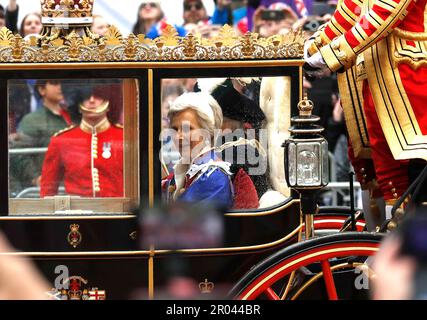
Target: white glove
[307, 45]
[316, 61]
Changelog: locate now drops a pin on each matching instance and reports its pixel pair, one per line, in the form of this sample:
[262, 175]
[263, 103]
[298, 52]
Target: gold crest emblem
[206, 287]
[74, 237]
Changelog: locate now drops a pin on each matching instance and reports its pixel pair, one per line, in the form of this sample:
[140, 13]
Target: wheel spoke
[271, 295]
[329, 280]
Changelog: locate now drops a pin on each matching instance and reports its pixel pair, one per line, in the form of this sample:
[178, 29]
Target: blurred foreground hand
[19, 279]
[394, 274]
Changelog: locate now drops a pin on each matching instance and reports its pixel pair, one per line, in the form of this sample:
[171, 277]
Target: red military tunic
[391, 37]
[88, 160]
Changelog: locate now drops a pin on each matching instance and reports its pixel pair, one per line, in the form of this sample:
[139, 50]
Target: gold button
[362, 170]
[395, 195]
[342, 56]
[390, 183]
[393, 190]
[335, 45]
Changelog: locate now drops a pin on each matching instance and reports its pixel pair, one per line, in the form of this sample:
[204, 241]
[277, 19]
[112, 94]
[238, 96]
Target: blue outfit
[209, 183]
[213, 188]
[221, 16]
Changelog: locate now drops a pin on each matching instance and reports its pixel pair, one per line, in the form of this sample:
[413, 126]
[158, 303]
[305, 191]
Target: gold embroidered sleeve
[338, 54]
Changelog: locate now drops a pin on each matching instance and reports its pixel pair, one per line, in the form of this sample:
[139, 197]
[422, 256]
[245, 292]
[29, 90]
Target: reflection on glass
[66, 138]
[308, 170]
[222, 156]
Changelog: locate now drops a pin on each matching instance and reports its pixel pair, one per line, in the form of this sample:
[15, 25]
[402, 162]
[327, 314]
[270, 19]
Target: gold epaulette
[118, 125]
[64, 130]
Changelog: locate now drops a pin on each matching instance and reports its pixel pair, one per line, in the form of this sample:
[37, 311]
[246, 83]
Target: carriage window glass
[71, 142]
[222, 141]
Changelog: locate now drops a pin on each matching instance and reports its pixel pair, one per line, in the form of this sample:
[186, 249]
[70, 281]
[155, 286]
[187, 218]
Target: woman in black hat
[239, 143]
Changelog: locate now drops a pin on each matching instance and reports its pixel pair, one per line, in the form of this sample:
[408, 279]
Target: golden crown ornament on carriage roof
[64, 18]
[73, 11]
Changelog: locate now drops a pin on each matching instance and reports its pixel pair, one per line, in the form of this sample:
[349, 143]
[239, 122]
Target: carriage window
[71, 146]
[222, 141]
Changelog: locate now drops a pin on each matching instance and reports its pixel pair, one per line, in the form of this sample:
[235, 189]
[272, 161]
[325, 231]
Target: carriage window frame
[135, 102]
[150, 75]
[284, 68]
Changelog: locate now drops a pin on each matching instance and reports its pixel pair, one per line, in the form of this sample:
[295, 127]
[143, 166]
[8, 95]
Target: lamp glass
[292, 164]
[309, 164]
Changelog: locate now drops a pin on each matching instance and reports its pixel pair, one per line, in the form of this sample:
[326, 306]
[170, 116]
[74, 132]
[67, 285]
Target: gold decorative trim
[74, 237]
[151, 275]
[395, 113]
[351, 93]
[67, 8]
[414, 56]
[263, 213]
[227, 46]
[338, 54]
[142, 253]
[150, 138]
[408, 35]
[153, 65]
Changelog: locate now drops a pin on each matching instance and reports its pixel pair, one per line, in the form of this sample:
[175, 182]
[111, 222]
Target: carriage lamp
[307, 162]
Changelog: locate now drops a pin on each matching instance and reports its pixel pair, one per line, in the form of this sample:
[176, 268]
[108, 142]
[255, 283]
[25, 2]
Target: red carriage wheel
[259, 282]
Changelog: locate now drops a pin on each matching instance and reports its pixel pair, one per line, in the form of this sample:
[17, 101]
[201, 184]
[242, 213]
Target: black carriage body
[108, 254]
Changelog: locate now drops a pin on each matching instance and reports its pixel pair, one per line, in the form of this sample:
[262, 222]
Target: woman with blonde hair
[200, 176]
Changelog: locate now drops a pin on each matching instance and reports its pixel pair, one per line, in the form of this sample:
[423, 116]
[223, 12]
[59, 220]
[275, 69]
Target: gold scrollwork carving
[73, 47]
[6, 36]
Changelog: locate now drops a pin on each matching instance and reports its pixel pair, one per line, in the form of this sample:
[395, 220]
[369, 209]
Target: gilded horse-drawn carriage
[283, 247]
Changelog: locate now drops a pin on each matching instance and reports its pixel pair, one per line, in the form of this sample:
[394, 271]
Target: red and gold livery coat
[390, 37]
[88, 160]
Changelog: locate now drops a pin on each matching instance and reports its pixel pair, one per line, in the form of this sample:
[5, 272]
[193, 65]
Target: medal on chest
[106, 150]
